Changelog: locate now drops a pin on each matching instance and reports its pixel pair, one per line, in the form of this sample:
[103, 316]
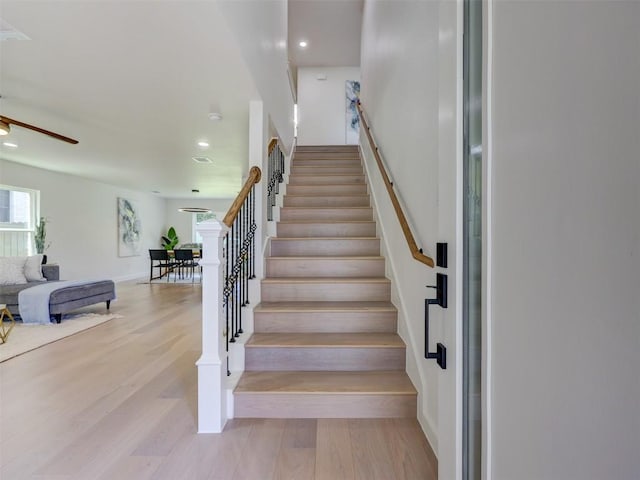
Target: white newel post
[212, 365]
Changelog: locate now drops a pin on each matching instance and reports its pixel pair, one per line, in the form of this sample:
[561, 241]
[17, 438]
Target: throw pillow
[12, 270]
[33, 269]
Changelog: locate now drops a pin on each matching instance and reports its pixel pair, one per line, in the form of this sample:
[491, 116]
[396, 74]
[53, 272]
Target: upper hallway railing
[406, 229]
[275, 175]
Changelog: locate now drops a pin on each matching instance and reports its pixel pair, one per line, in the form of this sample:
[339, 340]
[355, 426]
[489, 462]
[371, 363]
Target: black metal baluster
[237, 271]
[241, 279]
[281, 168]
[241, 269]
[276, 161]
[225, 291]
[273, 172]
[253, 228]
[269, 188]
[246, 253]
[231, 299]
[274, 175]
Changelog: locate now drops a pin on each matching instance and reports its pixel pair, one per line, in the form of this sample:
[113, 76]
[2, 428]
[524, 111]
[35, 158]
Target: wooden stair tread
[327, 174]
[285, 382]
[325, 307]
[355, 184]
[322, 238]
[324, 222]
[312, 257]
[326, 169]
[327, 340]
[330, 208]
[327, 148]
[325, 279]
[361, 195]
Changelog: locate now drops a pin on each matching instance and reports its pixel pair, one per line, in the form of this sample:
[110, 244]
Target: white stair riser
[325, 247]
[339, 213]
[319, 170]
[325, 322]
[337, 229]
[346, 359]
[339, 179]
[319, 190]
[325, 405]
[317, 291]
[320, 267]
[326, 201]
[326, 156]
[326, 162]
[327, 150]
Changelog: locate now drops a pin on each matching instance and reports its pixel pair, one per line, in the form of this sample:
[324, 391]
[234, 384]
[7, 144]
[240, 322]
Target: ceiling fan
[6, 122]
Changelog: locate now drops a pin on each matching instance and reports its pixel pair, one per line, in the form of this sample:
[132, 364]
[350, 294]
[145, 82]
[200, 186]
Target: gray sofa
[65, 299]
[9, 293]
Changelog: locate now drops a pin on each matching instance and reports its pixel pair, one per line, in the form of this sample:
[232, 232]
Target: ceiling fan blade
[18, 123]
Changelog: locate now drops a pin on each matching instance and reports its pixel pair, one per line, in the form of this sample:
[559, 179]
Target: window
[201, 217]
[18, 213]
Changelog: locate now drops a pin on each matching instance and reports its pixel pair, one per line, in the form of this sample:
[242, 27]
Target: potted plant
[170, 240]
[40, 238]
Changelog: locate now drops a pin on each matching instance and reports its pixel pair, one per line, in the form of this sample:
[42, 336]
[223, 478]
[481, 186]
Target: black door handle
[441, 299]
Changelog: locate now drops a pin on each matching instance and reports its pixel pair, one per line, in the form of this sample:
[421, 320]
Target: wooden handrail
[413, 247]
[272, 145]
[254, 177]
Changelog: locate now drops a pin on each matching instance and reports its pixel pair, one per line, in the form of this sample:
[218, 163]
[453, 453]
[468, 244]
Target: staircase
[325, 341]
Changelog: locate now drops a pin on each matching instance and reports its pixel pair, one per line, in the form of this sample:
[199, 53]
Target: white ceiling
[134, 82]
[332, 30]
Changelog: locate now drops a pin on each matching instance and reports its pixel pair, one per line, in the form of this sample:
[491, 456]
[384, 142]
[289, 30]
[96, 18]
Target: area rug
[24, 338]
[178, 281]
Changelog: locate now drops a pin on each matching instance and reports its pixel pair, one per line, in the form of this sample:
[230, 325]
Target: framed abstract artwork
[352, 88]
[129, 228]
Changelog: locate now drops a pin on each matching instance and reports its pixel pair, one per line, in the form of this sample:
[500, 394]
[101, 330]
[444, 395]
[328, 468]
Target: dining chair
[186, 262]
[160, 259]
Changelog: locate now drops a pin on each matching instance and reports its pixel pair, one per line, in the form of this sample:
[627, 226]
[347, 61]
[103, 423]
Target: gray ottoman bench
[67, 299]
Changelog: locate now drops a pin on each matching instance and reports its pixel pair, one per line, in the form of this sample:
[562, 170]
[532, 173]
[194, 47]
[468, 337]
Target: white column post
[212, 365]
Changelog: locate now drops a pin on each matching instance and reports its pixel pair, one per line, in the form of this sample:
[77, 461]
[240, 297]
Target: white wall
[322, 105]
[182, 221]
[410, 96]
[261, 31]
[83, 222]
[566, 240]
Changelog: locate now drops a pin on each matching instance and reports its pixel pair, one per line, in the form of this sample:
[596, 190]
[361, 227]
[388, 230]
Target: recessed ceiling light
[9, 144]
[203, 144]
[215, 116]
[303, 43]
[194, 209]
[202, 160]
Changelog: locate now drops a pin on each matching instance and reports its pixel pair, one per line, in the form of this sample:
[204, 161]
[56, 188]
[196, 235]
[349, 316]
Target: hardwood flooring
[118, 401]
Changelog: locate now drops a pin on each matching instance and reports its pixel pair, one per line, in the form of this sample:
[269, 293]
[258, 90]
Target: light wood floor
[119, 402]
